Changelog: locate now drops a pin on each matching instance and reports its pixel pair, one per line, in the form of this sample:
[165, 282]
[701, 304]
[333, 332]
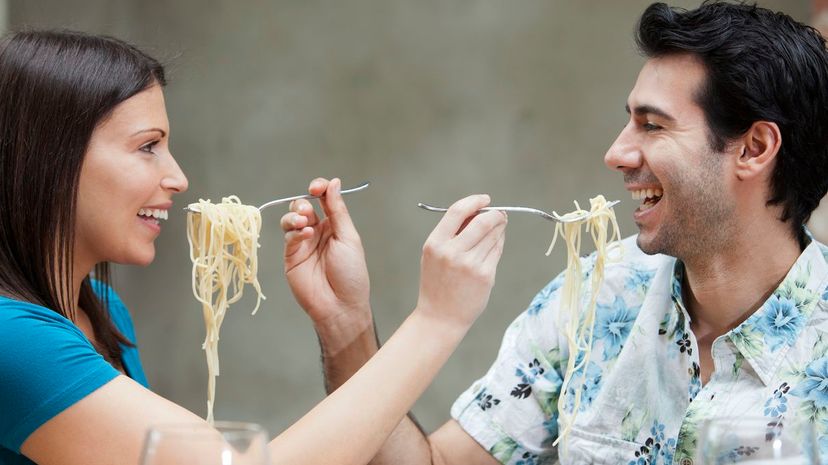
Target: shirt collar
[765, 336]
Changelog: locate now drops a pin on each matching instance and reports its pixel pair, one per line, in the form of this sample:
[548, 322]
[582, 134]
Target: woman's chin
[142, 258]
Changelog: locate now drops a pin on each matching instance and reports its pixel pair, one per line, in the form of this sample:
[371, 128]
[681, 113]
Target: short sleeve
[46, 365]
[513, 410]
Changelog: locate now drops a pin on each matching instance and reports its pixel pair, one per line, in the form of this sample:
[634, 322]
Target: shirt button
[686, 461]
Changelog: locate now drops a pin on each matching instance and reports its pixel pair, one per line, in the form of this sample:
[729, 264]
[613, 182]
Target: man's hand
[325, 261]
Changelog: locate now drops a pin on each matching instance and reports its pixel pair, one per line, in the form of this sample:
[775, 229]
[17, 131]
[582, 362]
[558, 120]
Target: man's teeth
[642, 194]
[154, 213]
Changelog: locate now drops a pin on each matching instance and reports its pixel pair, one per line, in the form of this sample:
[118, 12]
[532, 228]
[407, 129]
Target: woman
[84, 157]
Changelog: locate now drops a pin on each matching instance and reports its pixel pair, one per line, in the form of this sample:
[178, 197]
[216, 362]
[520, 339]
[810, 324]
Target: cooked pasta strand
[577, 323]
[224, 238]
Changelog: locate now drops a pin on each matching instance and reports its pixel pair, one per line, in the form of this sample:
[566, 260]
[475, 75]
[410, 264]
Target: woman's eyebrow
[163, 133]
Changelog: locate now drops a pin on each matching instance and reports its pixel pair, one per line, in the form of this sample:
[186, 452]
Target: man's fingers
[305, 208]
[295, 239]
[336, 211]
[318, 186]
[292, 221]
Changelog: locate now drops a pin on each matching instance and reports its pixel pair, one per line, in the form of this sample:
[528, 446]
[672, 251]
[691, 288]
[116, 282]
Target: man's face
[668, 165]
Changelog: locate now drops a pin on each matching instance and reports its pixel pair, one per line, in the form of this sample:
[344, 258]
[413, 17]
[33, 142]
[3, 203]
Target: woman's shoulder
[46, 365]
[15, 313]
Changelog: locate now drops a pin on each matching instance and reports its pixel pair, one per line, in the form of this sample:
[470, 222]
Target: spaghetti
[579, 327]
[223, 238]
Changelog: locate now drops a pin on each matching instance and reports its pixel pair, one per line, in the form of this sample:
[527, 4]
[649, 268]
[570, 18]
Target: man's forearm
[407, 445]
[345, 347]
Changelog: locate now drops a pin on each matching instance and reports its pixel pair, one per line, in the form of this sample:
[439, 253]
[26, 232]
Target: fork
[547, 216]
[295, 197]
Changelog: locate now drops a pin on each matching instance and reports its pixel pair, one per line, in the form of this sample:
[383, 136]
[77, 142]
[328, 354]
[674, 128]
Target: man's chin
[647, 245]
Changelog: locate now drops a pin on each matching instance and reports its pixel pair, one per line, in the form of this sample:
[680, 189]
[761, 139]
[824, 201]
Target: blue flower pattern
[815, 385]
[588, 385]
[780, 320]
[777, 404]
[656, 449]
[613, 324]
[695, 381]
[639, 280]
[527, 458]
[543, 297]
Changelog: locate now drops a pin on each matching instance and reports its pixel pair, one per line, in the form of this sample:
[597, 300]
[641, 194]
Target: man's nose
[624, 154]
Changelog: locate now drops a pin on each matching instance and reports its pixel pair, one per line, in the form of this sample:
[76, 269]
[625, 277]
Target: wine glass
[225, 443]
[757, 440]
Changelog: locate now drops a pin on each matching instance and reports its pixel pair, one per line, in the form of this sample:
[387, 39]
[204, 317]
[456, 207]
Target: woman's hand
[459, 262]
[324, 260]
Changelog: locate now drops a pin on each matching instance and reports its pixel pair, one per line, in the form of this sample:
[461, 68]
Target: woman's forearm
[351, 424]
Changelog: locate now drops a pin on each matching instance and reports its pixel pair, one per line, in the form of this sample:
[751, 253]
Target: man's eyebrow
[163, 133]
[649, 110]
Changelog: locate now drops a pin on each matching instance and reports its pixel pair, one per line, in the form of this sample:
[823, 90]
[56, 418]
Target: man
[719, 306]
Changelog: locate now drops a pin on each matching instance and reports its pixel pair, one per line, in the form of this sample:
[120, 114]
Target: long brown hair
[55, 88]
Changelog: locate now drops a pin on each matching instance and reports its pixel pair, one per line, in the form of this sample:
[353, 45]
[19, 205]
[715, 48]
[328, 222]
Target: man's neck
[725, 287]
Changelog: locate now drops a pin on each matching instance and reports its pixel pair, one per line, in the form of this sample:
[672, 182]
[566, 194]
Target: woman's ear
[760, 144]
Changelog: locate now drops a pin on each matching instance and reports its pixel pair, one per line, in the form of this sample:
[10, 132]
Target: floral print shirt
[642, 400]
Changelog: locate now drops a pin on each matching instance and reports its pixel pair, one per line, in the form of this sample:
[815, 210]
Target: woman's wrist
[435, 322]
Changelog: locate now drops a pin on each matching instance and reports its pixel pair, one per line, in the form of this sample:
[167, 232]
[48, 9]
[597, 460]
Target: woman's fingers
[457, 215]
[487, 243]
[495, 252]
[457, 269]
[479, 227]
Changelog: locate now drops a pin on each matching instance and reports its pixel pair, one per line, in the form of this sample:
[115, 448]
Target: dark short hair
[760, 66]
[55, 88]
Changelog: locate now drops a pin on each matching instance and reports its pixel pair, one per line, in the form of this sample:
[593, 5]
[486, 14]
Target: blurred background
[430, 100]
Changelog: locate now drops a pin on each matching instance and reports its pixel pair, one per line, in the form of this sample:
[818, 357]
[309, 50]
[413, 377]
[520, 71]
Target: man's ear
[760, 144]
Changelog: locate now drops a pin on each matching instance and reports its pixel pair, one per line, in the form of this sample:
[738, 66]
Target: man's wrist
[351, 330]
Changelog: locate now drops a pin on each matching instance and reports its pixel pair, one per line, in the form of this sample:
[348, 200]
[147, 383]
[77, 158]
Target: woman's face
[127, 182]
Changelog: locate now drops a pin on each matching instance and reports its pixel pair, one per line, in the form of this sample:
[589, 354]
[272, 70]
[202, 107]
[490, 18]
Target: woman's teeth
[154, 213]
[650, 197]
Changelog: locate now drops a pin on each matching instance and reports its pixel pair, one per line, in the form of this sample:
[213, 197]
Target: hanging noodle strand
[224, 238]
[577, 323]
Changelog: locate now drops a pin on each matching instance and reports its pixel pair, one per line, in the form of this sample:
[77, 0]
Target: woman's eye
[148, 148]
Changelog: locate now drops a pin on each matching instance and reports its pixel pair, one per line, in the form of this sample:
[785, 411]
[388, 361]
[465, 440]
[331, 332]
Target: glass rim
[228, 429]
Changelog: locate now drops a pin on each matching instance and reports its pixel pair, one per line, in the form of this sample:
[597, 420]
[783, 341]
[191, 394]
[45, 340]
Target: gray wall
[429, 100]
[3, 15]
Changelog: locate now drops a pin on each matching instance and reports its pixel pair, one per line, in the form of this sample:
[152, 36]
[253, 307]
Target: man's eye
[650, 127]
[148, 148]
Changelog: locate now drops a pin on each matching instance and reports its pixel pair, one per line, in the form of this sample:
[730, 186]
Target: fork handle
[432, 208]
[309, 196]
